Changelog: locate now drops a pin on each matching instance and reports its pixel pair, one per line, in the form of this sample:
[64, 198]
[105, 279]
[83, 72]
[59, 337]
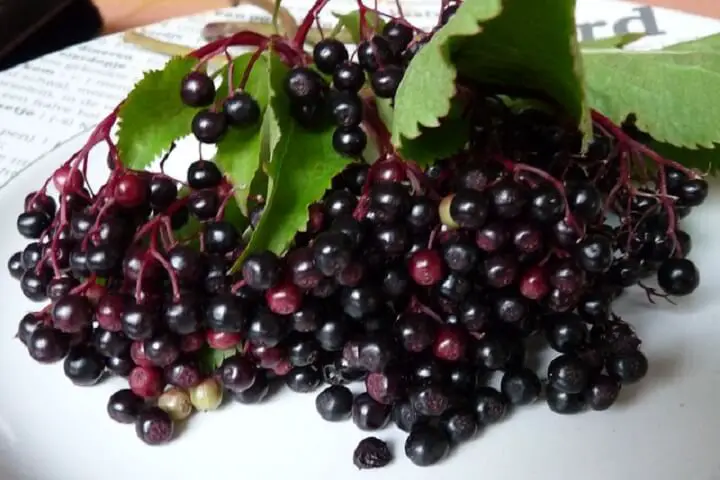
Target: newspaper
[48, 100]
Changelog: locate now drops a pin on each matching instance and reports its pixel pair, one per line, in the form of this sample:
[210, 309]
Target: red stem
[307, 23]
[253, 59]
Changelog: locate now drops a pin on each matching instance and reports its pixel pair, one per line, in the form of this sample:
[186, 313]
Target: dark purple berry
[124, 406]
[335, 403]
[372, 452]
[368, 414]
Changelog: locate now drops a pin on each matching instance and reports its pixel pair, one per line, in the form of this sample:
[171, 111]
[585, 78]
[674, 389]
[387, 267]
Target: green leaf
[711, 42]
[210, 359]
[447, 139]
[351, 23]
[702, 159]
[515, 50]
[153, 115]
[302, 166]
[275, 13]
[428, 85]
[239, 152]
[673, 92]
[235, 216]
[618, 41]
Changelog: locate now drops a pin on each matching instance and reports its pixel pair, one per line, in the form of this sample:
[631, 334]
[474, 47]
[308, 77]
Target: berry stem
[301, 36]
[168, 268]
[251, 63]
[634, 145]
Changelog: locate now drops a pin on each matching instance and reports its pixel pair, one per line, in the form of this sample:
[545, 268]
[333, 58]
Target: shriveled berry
[154, 426]
[372, 452]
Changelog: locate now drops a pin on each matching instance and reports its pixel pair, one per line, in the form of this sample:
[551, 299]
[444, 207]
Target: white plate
[665, 428]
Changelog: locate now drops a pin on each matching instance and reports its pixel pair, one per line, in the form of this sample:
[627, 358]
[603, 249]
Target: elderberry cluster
[424, 286]
[211, 123]
[314, 101]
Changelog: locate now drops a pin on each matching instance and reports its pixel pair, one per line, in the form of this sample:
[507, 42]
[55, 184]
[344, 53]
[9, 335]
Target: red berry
[534, 284]
[284, 298]
[146, 382]
[67, 180]
[95, 292]
[192, 342]
[267, 357]
[109, 312]
[389, 171]
[450, 343]
[131, 191]
[137, 353]
[316, 222]
[426, 267]
[222, 340]
[384, 387]
[282, 368]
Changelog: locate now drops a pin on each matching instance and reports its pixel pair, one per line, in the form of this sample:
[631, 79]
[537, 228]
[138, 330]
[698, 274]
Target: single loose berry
[426, 446]
[124, 406]
[372, 452]
[678, 276]
[154, 426]
[334, 403]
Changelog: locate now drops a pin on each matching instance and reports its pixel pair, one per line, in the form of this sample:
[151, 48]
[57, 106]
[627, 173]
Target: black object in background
[32, 28]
